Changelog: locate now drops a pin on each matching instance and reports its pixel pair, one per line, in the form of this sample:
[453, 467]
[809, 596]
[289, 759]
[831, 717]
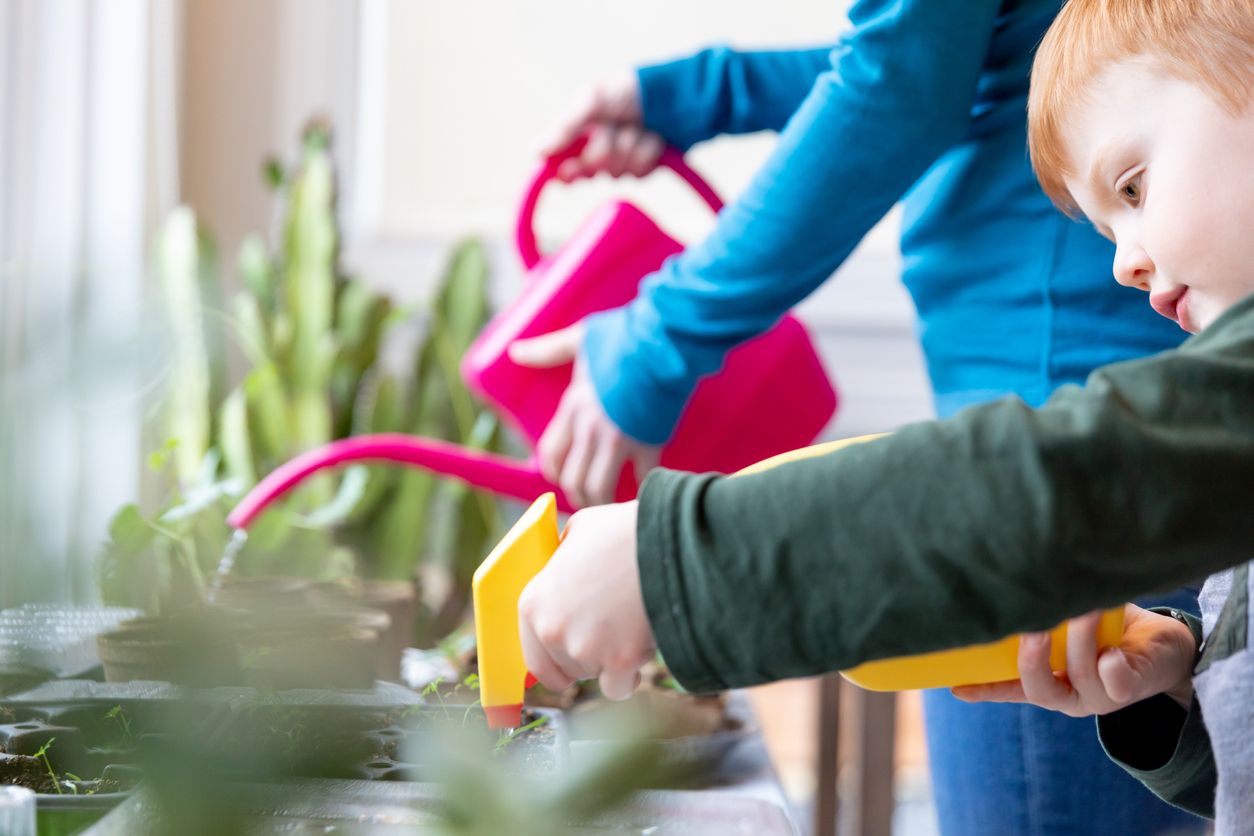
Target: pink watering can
[772, 394]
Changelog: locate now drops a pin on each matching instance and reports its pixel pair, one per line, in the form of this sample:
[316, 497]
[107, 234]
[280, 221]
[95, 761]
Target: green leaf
[379, 408]
[236, 445]
[201, 498]
[179, 258]
[256, 271]
[272, 173]
[462, 302]
[159, 458]
[130, 570]
[352, 487]
[129, 532]
[250, 326]
[207, 473]
[309, 283]
[269, 413]
[402, 529]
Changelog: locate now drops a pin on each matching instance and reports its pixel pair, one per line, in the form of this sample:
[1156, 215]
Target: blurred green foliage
[313, 341]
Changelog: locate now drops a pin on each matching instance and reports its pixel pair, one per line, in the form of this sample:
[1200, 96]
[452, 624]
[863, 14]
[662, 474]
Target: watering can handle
[526, 234]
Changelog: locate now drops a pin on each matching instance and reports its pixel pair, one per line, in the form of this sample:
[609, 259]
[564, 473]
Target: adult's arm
[898, 93]
[725, 91]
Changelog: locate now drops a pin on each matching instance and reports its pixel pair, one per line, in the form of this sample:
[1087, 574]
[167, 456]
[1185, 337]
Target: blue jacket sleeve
[898, 93]
[722, 91]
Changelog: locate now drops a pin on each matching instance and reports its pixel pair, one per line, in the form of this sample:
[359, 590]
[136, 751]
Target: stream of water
[227, 563]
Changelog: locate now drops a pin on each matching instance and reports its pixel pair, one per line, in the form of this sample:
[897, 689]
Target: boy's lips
[1173, 305]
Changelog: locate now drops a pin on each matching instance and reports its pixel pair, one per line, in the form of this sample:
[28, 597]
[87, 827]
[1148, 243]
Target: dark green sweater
[999, 520]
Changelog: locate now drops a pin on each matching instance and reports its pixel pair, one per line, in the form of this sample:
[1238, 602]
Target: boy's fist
[583, 616]
[1156, 656]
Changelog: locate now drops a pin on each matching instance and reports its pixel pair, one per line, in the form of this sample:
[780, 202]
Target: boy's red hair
[1209, 43]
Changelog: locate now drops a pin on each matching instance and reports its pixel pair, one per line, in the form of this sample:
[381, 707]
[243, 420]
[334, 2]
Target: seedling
[42, 755]
[508, 736]
[433, 689]
[118, 713]
[75, 781]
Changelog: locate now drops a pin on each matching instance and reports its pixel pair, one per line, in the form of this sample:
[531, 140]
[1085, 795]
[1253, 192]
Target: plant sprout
[508, 736]
[433, 689]
[74, 782]
[42, 754]
[118, 713]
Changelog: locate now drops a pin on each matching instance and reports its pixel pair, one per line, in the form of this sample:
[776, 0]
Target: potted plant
[312, 341]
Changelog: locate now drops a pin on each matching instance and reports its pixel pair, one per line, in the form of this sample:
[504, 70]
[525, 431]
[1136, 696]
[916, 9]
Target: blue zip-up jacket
[922, 101]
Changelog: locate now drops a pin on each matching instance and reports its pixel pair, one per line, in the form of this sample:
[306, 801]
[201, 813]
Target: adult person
[923, 102]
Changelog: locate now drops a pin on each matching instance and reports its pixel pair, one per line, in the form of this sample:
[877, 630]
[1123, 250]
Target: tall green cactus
[309, 287]
[186, 264]
[312, 339]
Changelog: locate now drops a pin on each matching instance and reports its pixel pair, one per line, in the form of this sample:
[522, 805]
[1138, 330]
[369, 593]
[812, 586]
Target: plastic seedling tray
[81, 758]
[388, 809]
[349, 742]
[59, 640]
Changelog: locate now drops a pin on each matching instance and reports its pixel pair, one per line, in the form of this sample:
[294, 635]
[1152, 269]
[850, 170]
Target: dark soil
[659, 705]
[264, 741]
[333, 742]
[25, 771]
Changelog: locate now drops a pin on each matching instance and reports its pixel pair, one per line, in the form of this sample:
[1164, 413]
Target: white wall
[472, 87]
[254, 71]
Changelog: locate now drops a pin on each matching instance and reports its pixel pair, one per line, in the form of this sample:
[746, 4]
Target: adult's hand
[618, 142]
[1156, 656]
[583, 615]
[582, 450]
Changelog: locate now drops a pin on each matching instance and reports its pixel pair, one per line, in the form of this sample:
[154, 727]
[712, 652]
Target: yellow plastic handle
[993, 662]
[496, 587]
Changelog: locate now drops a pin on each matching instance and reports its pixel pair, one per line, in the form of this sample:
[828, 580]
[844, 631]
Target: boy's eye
[1131, 189]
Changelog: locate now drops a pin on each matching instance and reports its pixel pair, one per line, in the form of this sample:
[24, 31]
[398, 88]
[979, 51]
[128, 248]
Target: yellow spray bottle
[527, 547]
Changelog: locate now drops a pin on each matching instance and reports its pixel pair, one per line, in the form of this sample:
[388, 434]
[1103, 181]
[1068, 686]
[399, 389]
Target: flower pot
[336, 650]
[197, 650]
[399, 599]
[251, 593]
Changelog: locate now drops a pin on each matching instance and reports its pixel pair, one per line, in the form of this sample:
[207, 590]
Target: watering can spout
[500, 474]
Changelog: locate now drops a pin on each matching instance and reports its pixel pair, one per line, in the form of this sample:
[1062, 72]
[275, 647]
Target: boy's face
[1168, 175]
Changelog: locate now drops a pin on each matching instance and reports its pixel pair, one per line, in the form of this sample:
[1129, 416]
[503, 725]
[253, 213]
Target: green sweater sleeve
[1166, 748]
[950, 533]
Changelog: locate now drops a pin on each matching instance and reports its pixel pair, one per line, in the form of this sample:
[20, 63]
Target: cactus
[185, 260]
[309, 287]
[311, 339]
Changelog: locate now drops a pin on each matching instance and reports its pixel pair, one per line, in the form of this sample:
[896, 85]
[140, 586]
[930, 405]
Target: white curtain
[87, 164]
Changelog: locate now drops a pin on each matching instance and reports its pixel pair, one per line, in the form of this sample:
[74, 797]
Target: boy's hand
[583, 616]
[1156, 656]
[618, 142]
[581, 450]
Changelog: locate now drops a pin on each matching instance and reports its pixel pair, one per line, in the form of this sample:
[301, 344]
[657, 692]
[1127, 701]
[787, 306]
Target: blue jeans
[1015, 770]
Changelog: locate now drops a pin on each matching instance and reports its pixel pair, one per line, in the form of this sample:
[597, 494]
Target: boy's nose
[1133, 267]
